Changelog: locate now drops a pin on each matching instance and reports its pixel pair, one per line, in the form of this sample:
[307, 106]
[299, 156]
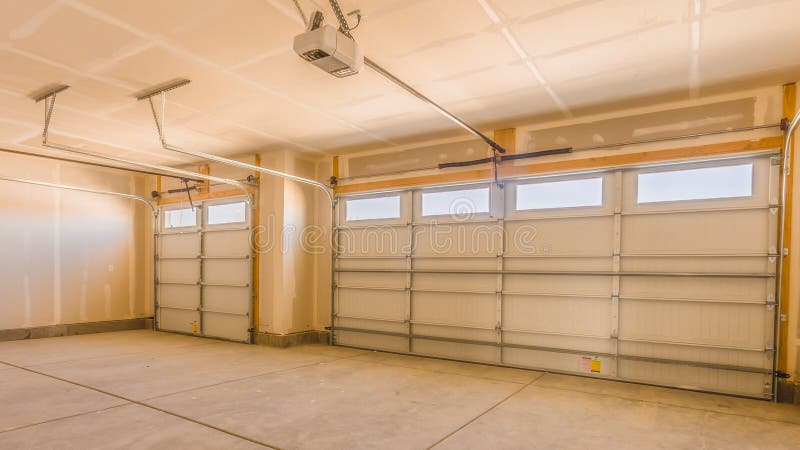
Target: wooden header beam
[571, 165]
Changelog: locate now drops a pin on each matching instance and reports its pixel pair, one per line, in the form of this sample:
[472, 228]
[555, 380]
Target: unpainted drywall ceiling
[490, 61]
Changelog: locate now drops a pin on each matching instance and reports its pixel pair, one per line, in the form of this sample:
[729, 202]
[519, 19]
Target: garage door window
[560, 194]
[227, 213]
[373, 208]
[696, 184]
[180, 218]
[457, 203]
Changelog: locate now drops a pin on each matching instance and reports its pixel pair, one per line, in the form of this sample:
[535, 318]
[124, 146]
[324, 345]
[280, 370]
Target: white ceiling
[493, 62]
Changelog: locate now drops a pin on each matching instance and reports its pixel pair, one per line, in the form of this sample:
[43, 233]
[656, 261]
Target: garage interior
[490, 224]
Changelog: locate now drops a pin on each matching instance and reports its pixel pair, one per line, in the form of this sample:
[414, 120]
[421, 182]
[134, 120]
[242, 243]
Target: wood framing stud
[206, 196]
[205, 186]
[507, 138]
[789, 110]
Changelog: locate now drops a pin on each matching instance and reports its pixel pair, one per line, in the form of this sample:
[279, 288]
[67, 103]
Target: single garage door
[661, 275]
[204, 270]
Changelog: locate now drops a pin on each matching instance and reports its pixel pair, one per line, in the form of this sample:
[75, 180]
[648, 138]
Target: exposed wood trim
[335, 166]
[571, 165]
[506, 138]
[206, 196]
[205, 185]
[789, 109]
[647, 157]
[470, 175]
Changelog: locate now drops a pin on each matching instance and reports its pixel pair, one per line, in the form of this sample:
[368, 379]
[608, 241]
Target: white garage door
[204, 270]
[661, 275]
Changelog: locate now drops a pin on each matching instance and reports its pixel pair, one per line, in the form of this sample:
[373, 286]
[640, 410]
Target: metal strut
[50, 99]
[96, 164]
[82, 189]
[161, 129]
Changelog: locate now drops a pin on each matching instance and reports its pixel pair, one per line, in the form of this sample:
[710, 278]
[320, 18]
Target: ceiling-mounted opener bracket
[161, 90]
[48, 95]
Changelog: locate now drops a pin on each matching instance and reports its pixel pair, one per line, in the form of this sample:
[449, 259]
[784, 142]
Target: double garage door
[660, 275]
[204, 271]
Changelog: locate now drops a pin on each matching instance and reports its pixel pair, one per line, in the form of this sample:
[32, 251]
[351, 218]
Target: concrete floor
[141, 389]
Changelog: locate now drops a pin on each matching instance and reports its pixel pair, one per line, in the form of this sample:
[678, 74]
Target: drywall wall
[289, 243]
[72, 257]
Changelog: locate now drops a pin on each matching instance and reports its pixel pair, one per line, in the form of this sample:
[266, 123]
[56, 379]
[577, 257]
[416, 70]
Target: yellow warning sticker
[195, 328]
[591, 364]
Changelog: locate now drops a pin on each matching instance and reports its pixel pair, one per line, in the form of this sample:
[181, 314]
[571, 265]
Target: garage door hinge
[785, 252]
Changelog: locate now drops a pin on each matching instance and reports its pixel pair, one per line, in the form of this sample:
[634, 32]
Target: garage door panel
[374, 241]
[227, 299]
[454, 282]
[728, 289]
[455, 263]
[464, 352]
[706, 232]
[584, 236]
[545, 263]
[561, 362]
[552, 341]
[468, 239]
[227, 271]
[179, 245]
[557, 315]
[471, 310]
[661, 278]
[394, 263]
[694, 264]
[371, 303]
[179, 296]
[704, 355]
[570, 285]
[226, 326]
[718, 380]
[179, 270]
[461, 333]
[231, 243]
[730, 325]
[396, 327]
[179, 320]
[366, 279]
[203, 280]
[372, 341]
